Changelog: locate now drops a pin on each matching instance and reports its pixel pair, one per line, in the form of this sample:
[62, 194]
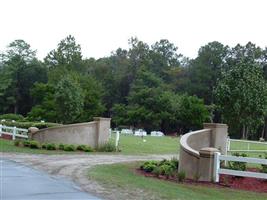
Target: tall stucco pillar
[206, 163]
[102, 130]
[219, 134]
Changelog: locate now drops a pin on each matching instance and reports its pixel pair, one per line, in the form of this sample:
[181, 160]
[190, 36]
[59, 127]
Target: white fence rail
[218, 170]
[248, 144]
[13, 131]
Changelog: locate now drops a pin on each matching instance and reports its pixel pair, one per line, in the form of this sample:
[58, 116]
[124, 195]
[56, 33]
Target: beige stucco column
[219, 134]
[102, 130]
[206, 163]
[31, 131]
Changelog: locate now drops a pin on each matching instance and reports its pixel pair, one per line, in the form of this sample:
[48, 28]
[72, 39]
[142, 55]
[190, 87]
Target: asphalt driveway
[20, 182]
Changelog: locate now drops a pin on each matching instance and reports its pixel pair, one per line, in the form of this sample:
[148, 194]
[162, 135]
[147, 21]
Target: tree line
[146, 86]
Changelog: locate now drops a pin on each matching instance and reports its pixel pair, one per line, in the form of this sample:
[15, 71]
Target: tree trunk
[247, 132]
[244, 132]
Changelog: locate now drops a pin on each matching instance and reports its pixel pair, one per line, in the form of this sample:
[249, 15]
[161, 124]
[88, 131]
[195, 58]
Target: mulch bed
[240, 183]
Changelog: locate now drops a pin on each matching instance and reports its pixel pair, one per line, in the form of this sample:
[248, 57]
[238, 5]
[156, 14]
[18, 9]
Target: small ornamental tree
[241, 95]
[69, 100]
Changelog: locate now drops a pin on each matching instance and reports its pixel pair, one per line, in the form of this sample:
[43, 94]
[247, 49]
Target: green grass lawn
[153, 145]
[132, 145]
[123, 179]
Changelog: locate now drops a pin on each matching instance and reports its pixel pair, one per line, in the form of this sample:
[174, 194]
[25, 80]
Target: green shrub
[88, 149]
[12, 116]
[44, 145]
[156, 171]
[26, 143]
[165, 170]
[81, 147]
[263, 166]
[17, 143]
[61, 146]
[69, 147]
[34, 145]
[149, 167]
[107, 147]
[51, 146]
[175, 163]
[152, 162]
[27, 125]
[181, 176]
[236, 165]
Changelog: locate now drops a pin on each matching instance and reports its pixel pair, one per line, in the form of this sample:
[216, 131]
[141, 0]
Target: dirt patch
[75, 167]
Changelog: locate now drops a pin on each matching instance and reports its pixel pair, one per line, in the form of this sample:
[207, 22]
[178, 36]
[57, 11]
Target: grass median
[123, 179]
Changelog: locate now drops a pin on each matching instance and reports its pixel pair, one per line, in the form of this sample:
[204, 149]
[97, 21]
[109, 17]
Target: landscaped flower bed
[164, 170]
[108, 147]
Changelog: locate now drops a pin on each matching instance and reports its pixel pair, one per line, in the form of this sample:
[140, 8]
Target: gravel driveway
[75, 167]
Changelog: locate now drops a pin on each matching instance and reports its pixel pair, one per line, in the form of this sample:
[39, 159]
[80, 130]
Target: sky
[101, 26]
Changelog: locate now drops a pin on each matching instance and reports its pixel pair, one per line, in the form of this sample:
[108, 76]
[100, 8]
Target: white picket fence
[13, 131]
[218, 170]
[248, 145]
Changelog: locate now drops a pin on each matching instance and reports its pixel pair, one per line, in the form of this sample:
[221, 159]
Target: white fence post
[14, 133]
[216, 167]
[1, 129]
[117, 139]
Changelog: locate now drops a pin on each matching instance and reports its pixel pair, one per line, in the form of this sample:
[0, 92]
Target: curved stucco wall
[90, 133]
[190, 144]
[213, 135]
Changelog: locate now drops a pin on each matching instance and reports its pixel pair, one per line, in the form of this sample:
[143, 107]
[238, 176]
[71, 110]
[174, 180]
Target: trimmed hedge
[11, 116]
[69, 147]
[27, 125]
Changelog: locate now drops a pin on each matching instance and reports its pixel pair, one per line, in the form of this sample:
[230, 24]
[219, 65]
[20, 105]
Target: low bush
[107, 147]
[167, 168]
[81, 147]
[26, 143]
[69, 147]
[27, 125]
[11, 116]
[51, 146]
[84, 148]
[44, 145]
[181, 176]
[17, 143]
[61, 146]
[149, 167]
[263, 166]
[236, 165]
[156, 171]
[34, 145]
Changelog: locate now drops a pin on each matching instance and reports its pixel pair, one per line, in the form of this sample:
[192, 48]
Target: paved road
[20, 182]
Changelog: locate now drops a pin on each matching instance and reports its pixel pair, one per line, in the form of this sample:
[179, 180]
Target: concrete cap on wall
[214, 125]
[33, 129]
[101, 119]
[207, 151]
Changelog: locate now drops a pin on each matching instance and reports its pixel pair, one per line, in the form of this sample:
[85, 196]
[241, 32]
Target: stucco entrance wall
[213, 135]
[92, 133]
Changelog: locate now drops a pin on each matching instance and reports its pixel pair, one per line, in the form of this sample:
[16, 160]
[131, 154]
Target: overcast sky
[101, 26]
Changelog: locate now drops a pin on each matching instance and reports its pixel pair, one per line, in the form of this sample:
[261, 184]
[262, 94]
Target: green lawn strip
[236, 145]
[152, 145]
[122, 177]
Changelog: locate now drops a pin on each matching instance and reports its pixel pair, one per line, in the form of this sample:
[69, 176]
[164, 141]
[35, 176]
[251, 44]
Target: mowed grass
[123, 179]
[236, 145]
[130, 144]
[133, 145]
